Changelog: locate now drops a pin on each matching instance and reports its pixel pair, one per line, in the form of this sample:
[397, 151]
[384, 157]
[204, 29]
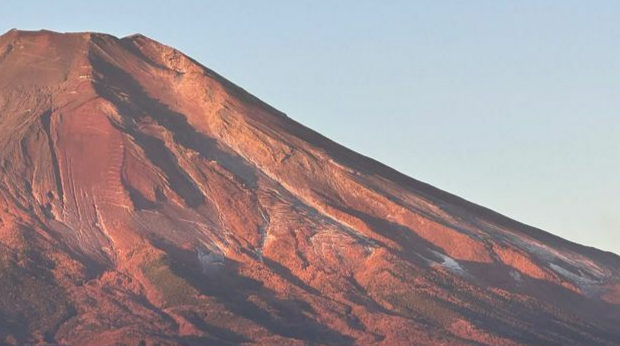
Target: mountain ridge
[146, 179]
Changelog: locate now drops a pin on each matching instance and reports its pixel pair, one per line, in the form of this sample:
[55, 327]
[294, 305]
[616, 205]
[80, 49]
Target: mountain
[146, 200]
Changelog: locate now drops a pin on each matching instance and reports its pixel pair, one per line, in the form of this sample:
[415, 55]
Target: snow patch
[450, 264]
[550, 255]
[516, 276]
[210, 260]
[263, 231]
[586, 285]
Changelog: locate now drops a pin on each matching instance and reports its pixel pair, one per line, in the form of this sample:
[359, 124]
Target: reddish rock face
[144, 199]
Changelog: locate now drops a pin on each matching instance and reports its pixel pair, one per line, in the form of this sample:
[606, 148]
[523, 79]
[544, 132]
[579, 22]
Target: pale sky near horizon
[514, 105]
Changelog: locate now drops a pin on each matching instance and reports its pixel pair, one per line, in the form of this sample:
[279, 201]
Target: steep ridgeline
[145, 199]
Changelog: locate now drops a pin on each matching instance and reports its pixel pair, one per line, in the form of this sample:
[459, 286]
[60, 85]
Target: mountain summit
[146, 200]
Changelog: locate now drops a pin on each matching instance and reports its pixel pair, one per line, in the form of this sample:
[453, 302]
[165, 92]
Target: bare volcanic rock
[146, 200]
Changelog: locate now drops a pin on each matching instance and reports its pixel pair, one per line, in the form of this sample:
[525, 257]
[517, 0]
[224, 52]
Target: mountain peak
[146, 199]
[48, 34]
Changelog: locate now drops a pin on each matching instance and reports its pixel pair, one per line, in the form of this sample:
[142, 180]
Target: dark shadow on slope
[159, 154]
[362, 297]
[128, 43]
[46, 120]
[556, 295]
[288, 276]
[284, 317]
[250, 299]
[139, 201]
[554, 316]
[139, 105]
[412, 245]
[31, 300]
[94, 262]
[206, 340]
[224, 336]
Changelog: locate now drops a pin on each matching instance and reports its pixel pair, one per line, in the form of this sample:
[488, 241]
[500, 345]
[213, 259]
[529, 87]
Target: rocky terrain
[146, 200]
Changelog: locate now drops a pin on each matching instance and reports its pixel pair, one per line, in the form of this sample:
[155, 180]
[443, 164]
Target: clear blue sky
[514, 105]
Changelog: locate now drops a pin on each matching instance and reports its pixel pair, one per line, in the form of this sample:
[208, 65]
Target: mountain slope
[146, 199]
